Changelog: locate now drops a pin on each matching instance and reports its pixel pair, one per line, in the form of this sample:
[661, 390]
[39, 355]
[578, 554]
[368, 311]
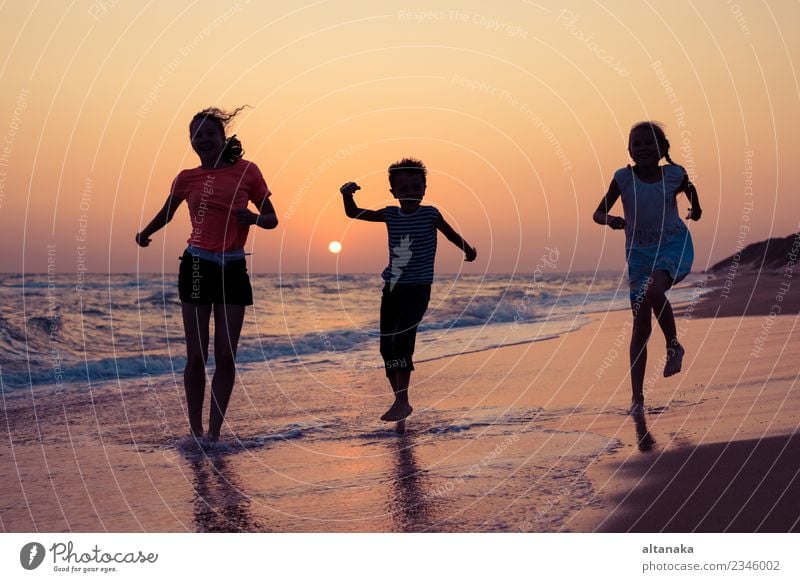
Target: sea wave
[117, 326]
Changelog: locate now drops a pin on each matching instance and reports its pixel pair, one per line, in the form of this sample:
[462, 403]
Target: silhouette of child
[658, 245]
[412, 230]
[213, 271]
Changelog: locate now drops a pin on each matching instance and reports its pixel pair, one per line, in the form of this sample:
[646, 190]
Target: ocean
[122, 326]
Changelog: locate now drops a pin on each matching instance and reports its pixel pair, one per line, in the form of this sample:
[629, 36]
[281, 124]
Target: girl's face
[207, 140]
[645, 148]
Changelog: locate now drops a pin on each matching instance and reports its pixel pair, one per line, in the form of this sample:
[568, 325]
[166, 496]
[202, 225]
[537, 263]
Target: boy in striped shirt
[412, 230]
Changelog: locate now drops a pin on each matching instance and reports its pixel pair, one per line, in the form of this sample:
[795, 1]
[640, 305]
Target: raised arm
[470, 254]
[695, 212]
[266, 217]
[601, 215]
[352, 210]
[160, 221]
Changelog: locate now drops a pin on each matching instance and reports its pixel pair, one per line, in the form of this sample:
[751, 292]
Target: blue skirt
[675, 256]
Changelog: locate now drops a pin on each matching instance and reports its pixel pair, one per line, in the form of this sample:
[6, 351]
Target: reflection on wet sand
[644, 439]
[410, 503]
[220, 504]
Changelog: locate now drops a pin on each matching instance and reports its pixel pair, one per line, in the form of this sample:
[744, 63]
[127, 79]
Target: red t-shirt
[214, 196]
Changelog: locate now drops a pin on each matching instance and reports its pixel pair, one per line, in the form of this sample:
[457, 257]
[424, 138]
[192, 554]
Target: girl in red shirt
[213, 271]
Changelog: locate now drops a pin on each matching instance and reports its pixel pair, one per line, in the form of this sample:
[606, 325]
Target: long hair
[658, 132]
[233, 151]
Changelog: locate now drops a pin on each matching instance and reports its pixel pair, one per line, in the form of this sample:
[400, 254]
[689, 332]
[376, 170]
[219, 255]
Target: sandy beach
[727, 462]
[525, 438]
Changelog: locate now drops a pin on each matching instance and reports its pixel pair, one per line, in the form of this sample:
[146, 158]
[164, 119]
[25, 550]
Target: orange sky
[520, 110]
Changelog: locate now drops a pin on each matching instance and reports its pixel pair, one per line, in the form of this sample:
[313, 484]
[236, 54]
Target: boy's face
[408, 186]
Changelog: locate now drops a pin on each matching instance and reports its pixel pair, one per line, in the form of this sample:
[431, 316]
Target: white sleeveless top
[651, 209]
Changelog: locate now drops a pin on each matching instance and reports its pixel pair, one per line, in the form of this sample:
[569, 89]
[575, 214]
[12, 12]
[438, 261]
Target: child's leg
[400, 408]
[403, 380]
[195, 327]
[404, 311]
[638, 349]
[656, 295]
[390, 324]
[662, 309]
[400, 380]
[228, 321]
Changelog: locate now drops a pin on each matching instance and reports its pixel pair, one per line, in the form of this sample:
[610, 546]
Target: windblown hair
[232, 152]
[407, 165]
[658, 132]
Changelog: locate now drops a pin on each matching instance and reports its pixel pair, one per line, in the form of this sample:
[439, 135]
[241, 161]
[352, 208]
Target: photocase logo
[32, 555]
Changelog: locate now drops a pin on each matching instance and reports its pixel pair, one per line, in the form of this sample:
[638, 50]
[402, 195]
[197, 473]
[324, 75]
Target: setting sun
[335, 247]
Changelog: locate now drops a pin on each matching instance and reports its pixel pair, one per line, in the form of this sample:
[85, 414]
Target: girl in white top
[658, 246]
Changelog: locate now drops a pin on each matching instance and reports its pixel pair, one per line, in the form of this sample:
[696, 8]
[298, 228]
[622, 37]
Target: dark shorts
[402, 308]
[206, 282]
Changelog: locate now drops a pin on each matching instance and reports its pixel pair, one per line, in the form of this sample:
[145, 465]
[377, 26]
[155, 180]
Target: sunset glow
[520, 110]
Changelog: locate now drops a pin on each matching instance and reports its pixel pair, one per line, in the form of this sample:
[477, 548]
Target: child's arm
[266, 218]
[695, 212]
[160, 221]
[470, 254]
[352, 210]
[601, 215]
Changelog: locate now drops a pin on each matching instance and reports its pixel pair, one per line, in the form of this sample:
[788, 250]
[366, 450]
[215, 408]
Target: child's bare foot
[213, 437]
[674, 360]
[398, 411]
